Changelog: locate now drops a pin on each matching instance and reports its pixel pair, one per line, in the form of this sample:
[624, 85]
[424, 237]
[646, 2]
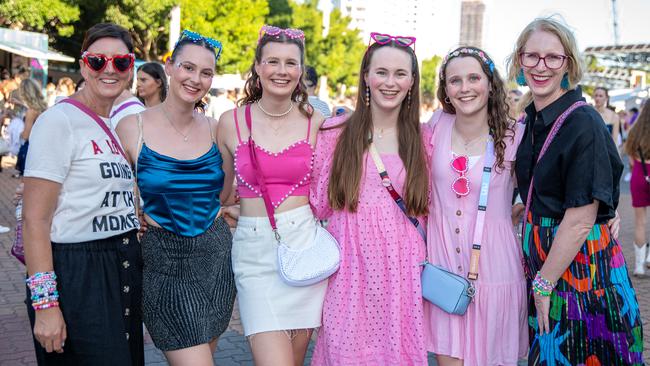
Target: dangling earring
[564, 84]
[367, 96]
[408, 99]
[259, 84]
[447, 100]
[521, 79]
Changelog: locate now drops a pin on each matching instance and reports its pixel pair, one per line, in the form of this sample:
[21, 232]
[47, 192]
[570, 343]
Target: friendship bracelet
[542, 286]
[43, 289]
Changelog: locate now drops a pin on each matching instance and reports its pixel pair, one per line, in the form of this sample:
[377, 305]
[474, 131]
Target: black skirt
[189, 287]
[100, 288]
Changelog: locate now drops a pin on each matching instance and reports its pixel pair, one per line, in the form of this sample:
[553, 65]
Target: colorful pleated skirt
[594, 315]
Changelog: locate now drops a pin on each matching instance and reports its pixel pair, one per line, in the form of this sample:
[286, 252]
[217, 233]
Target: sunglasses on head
[195, 37]
[382, 39]
[97, 61]
[274, 31]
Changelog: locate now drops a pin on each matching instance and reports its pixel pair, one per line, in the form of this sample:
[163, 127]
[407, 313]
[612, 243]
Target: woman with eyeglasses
[188, 286]
[582, 306]
[276, 121]
[373, 311]
[79, 224]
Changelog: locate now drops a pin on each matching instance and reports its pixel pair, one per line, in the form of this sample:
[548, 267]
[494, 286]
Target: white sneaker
[4, 229]
[639, 256]
[647, 258]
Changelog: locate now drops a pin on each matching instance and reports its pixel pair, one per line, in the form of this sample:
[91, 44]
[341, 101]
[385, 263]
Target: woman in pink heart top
[278, 319]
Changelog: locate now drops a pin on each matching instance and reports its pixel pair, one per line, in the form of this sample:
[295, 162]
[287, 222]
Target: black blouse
[581, 164]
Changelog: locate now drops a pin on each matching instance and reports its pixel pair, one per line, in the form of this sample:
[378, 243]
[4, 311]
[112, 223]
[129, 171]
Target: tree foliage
[323, 53]
[234, 23]
[148, 21]
[50, 16]
[429, 77]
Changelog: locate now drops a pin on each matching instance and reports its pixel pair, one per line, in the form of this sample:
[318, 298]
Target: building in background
[471, 23]
[427, 20]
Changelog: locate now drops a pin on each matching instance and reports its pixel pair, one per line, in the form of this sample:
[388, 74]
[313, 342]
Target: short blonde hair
[575, 67]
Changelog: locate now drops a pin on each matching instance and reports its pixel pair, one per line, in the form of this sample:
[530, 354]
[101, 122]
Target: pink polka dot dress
[373, 311]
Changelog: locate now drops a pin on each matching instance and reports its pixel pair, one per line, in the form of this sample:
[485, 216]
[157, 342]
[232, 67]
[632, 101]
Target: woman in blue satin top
[188, 284]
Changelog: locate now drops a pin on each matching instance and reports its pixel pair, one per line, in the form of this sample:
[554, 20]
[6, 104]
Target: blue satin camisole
[182, 196]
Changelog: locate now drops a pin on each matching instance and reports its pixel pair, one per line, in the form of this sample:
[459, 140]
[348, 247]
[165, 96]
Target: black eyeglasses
[552, 61]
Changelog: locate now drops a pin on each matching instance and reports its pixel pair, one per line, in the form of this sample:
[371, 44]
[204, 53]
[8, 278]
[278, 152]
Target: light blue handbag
[448, 291]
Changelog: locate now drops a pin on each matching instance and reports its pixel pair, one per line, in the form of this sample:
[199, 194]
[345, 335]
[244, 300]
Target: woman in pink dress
[493, 330]
[373, 307]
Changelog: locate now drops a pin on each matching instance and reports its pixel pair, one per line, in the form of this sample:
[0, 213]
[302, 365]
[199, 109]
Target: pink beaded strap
[551, 135]
[260, 177]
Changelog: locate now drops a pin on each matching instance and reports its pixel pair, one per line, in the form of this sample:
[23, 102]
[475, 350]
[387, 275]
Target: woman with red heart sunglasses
[474, 116]
[83, 257]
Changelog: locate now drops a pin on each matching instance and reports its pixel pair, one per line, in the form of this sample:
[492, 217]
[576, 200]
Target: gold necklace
[467, 144]
[380, 132]
[185, 135]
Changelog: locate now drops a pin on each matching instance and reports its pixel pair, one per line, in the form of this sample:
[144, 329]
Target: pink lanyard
[551, 135]
[98, 120]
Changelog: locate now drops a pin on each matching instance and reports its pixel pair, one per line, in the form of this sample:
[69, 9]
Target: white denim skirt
[266, 303]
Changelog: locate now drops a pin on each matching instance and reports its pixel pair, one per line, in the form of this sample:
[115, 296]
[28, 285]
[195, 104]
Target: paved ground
[16, 346]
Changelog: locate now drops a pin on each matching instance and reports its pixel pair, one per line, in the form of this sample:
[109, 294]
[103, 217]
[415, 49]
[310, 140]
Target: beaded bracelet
[542, 286]
[43, 288]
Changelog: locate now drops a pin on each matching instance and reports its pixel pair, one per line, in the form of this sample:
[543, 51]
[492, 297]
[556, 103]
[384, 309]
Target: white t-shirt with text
[96, 199]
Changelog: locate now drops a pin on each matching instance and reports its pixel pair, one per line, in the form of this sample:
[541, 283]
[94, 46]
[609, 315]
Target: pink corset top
[287, 172]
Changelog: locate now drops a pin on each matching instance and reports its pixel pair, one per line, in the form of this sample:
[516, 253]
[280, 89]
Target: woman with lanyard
[582, 307]
[83, 257]
[475, 131]
[373, 308]
[188, 283]
[276, 122]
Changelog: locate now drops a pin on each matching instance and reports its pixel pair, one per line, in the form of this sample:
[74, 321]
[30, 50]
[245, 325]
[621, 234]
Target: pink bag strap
[260, 177]
[98, 120]
[551, 135]
[125, 106]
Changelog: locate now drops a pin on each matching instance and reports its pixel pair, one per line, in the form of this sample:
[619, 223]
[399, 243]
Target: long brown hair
[253, 88]
[499, 121]
[347, 163]
[639, 136]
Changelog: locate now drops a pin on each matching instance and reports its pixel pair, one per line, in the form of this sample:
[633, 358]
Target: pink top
[287, 172]
[493, 331]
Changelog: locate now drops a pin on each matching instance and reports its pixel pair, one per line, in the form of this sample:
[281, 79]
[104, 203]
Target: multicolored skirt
[594, 315]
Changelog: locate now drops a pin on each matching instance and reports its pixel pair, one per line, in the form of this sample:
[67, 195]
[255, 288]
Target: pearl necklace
[275, 115]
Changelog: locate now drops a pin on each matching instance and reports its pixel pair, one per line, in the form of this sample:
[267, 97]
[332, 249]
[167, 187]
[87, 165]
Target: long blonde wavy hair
[30, 94]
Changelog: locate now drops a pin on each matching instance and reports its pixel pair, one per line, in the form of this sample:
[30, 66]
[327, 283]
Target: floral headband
[274, 31]
[196, 38]
[466, 51]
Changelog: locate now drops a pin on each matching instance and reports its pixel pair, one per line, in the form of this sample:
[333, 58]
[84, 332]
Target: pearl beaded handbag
[311, 263]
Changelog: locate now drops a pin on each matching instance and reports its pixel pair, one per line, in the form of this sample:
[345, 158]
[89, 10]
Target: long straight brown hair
[348, 160]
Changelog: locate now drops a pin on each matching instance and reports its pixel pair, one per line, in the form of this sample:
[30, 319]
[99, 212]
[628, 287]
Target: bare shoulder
[128, 126]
